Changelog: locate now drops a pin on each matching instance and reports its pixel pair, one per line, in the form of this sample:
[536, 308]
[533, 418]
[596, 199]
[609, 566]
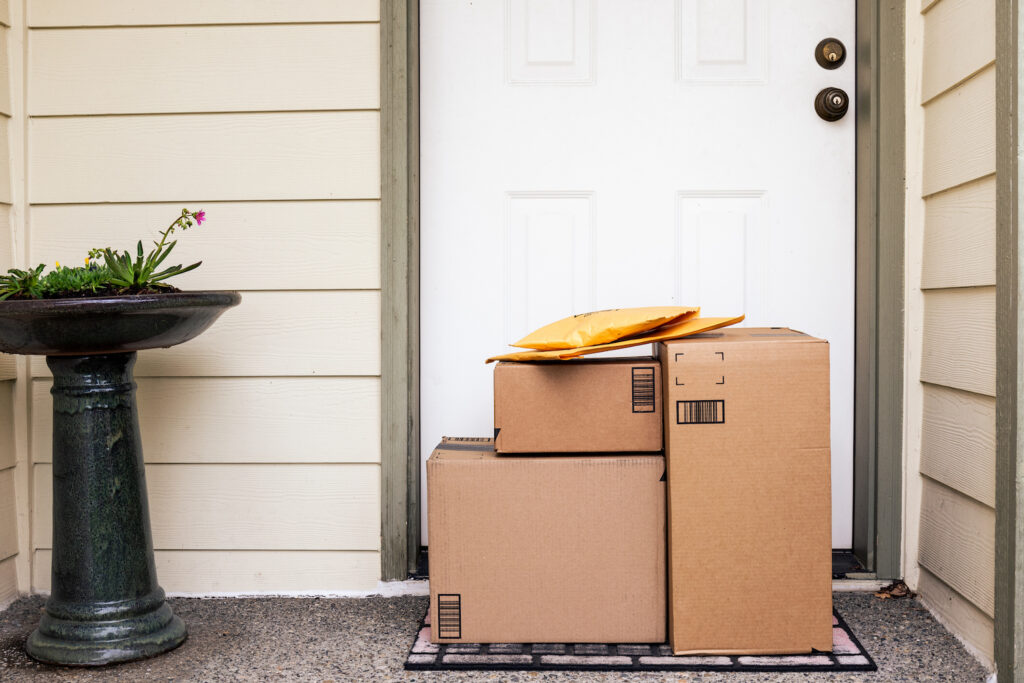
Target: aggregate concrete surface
[367, 639]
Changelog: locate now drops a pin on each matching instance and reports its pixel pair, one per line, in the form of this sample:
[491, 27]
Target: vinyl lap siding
[8, 373]
[956, 545]
[261, 437]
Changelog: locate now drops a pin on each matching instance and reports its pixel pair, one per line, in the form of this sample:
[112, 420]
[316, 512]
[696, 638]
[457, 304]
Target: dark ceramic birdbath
[105, 604]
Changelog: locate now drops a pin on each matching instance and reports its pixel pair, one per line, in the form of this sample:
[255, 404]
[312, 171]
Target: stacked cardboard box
[555, 531]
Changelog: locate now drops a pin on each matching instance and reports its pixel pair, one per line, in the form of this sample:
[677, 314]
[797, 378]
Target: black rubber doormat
[847, 655]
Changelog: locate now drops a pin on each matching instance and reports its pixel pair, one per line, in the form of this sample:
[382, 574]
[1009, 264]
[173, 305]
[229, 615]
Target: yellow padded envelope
[601, 327]
[671, 331]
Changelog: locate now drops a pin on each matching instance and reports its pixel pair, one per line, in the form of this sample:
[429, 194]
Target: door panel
[587, 154]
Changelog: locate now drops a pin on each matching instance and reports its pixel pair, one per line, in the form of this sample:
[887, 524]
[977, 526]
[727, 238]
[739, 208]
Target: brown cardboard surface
[749, 499]
[592, 406]
[528, 549]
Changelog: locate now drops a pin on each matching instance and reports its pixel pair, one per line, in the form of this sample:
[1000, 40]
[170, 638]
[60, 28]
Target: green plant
[141, 273]
[91, 280]
[22, 284]
[119, 274]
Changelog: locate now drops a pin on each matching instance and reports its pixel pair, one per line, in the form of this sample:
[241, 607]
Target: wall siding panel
[8, 515]
[8, 367]
[266, 420]
[8, 582]
[968, 24]
[960, 236]
[960, 134]
[249, 507]
[969, 623]
[5, 161]
[959, 339]
[958, 543]
[6, 243]
[7, 452]
[204, 157]
[251, 571]
[276, 334]
[244, 245]
[958, 441]
[262, 436]
[213, 69]
[5, 65]
[134, 13]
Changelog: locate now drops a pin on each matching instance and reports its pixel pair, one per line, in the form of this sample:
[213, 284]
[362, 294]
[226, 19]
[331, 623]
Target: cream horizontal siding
[960, 236]
[958, 444]
[71, 13]
[958, 543]
[249, 571]
[959, 339]
[206, 68]
[5, 166]
[334, 420]
[262, 436]
[249, 507]
[7, 362]
[204, 157]
[960, 134]
[956, 522]
[276, 333]
[943, 26]
[330, 244]
[8, 531]
[957, 614]
[9, 498]
[8, 582]
[5, 67]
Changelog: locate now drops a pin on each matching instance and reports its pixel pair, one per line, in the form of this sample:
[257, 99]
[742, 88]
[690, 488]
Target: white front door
[587, 154]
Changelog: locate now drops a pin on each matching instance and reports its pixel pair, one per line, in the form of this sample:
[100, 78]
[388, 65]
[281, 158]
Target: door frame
[1009, 536]
[878, 392]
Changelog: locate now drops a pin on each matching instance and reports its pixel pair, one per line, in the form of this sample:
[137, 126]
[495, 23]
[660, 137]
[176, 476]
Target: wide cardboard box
[539, 549]
[578, 406]
[747, 449]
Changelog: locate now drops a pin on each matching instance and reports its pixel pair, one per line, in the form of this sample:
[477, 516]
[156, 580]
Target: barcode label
[643, 390]
[449, 615]
[700, 412]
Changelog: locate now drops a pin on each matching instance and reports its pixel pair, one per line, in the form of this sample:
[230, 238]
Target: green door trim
[878, 392]
[1009, 578]
[400, 284]
[878, 455]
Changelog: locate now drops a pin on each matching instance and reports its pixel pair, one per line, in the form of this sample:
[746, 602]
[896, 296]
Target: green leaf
[176, 270]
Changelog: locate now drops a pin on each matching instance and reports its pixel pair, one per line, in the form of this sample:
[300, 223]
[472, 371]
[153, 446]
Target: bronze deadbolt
[830, 53]
[831, 104]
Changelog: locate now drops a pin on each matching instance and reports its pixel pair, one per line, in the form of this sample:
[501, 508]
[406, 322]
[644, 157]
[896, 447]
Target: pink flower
[200, 216]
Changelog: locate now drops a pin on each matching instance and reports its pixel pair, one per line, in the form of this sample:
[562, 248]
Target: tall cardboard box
[749, 497]
[542, 549]
[578, 406]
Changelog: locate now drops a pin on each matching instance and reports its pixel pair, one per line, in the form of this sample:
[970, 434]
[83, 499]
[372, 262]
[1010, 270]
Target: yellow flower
[58, 264]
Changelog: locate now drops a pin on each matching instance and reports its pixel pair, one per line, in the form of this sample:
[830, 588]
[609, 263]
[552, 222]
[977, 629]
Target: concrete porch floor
[367, 639]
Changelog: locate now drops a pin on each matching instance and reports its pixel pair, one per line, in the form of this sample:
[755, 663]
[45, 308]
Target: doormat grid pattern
[847, 655]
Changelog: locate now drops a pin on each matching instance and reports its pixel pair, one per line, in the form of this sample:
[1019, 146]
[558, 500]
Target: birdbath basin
[105, 603]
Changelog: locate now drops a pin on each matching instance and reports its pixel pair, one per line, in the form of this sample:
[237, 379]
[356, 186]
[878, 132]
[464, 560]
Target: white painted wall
[262, 437]
[950, 316]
